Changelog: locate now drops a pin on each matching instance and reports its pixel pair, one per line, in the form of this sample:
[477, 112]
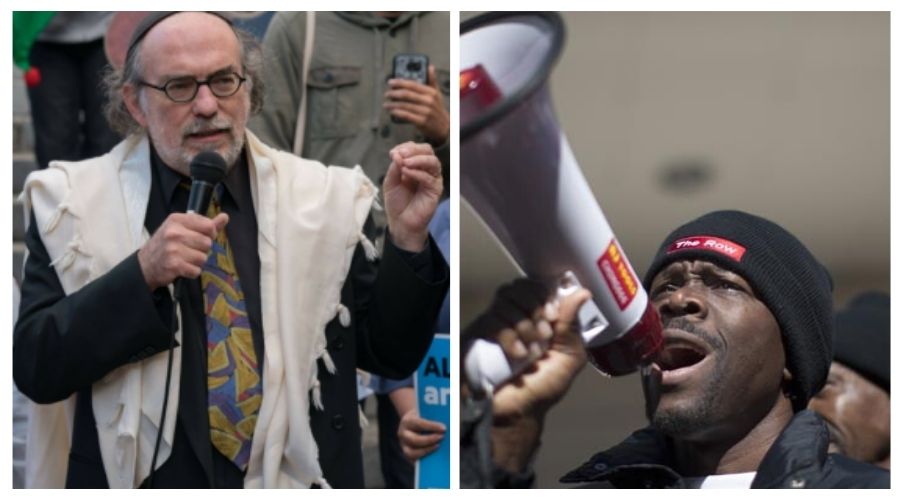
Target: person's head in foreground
[746, 311]
[158, 91]
[856, 399]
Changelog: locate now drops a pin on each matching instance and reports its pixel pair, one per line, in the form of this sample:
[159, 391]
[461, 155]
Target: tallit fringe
[315, 385]
[65, 260]
[329, 363]
[317, 395]
[321, 349]
[57, 215]
[371, 251]
[343, 315]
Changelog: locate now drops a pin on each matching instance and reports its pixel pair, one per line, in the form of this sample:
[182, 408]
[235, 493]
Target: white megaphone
[518, 174]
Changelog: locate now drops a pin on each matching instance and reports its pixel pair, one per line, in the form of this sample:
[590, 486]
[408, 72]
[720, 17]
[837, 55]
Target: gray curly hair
[121, 121]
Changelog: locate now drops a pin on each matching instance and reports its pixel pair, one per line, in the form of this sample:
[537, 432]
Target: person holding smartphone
[356, 109]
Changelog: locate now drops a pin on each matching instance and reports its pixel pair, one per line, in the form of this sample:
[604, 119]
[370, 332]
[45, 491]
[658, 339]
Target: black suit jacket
[63, 344]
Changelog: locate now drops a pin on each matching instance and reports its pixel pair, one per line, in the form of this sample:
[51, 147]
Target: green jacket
[351, 61]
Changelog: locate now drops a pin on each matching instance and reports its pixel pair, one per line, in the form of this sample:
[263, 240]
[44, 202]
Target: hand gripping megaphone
[519, 176]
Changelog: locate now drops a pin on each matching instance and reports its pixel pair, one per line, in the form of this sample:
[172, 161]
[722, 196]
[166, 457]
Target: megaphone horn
[520, 177]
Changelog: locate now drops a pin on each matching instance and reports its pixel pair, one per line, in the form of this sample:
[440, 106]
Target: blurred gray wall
[672, 115]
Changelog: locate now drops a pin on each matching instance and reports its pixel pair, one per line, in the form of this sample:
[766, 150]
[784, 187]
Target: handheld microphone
[207, 170]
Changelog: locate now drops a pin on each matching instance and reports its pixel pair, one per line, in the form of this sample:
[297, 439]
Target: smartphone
[410, 66]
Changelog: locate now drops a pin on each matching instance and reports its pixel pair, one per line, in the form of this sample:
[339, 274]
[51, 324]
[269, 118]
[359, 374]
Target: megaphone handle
[487, 367]
[590, 318]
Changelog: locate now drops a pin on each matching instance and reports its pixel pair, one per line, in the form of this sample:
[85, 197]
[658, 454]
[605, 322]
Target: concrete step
[20, 93]
[23, 134]
[23, 164]
[18, 259]
[18, 221]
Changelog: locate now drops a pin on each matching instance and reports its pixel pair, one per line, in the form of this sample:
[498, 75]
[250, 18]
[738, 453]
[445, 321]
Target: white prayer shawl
[90, 215]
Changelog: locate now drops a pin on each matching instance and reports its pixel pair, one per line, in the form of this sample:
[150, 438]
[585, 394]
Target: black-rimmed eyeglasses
[184, 89]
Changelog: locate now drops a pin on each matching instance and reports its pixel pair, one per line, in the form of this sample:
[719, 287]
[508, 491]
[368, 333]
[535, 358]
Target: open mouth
[682, 358]
[679, 355]
[207, 133]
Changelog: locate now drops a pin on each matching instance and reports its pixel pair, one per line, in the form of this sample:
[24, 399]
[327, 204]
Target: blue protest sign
[432, 383]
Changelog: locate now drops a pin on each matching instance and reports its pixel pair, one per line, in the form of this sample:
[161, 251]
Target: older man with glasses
[277, 297]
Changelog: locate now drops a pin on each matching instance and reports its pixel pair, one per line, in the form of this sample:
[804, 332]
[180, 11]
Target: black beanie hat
[784, 275]
[862, 338]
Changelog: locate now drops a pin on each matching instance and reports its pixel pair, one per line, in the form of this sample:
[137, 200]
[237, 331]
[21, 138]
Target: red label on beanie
[709, 243]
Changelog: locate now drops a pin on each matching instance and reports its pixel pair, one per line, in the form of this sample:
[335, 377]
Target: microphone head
[208, 166]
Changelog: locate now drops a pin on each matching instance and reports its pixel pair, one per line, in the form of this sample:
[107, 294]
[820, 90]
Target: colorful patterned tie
[235, 389]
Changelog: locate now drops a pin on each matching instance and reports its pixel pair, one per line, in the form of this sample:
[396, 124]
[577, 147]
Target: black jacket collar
[797, 459]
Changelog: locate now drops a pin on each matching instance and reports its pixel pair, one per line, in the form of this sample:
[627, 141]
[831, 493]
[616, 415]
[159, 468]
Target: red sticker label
[709, 243]
[619, 276]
